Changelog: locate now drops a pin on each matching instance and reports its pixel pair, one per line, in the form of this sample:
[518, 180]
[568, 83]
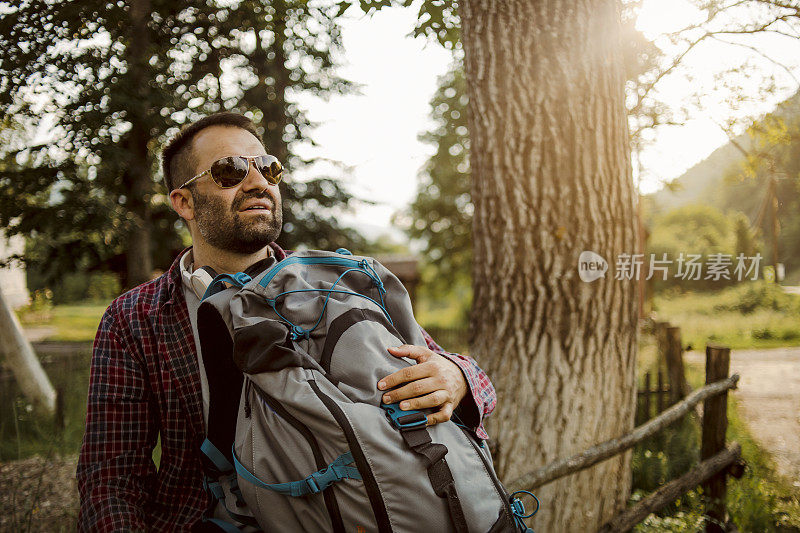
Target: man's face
[242, 219]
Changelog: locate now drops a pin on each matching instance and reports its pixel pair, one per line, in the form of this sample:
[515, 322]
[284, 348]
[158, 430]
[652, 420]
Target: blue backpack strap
[218, 284]
[312, 484]
[518, 510]
[217, 457]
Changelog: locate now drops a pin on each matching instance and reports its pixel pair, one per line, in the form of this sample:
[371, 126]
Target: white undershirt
[192, 303]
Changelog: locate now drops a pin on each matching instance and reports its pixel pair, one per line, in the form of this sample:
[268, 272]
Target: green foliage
[759, 501]
[41, 307]
[25, 432]
[75, 287]
[436, 19]
[309, 216]
[770, 319]
[751, 297]
[115, 96]
[763, 501]
[704, 230]
[769, 178]
[665, 456]
[691, 521]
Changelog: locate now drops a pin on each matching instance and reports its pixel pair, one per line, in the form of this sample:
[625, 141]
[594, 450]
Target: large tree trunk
[552, 178]
[138, 174]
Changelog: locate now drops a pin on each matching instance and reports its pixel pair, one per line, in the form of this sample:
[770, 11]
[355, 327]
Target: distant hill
[702, 182]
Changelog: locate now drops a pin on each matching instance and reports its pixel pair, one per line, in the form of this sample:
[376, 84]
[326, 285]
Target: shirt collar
[197, 286]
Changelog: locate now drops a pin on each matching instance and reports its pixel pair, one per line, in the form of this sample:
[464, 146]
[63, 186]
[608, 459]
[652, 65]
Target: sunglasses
[232, 170]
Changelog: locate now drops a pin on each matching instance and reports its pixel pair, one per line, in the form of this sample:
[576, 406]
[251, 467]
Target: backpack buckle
[404, 419]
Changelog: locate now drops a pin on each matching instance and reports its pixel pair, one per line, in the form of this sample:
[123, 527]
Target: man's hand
[434, 381]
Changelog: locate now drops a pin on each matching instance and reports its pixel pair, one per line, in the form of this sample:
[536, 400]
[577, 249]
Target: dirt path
[769, 399]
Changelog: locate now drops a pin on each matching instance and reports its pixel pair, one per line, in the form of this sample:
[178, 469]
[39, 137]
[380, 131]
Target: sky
[375, 132]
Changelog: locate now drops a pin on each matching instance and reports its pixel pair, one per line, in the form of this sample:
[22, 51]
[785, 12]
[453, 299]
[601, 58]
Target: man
[147, 380]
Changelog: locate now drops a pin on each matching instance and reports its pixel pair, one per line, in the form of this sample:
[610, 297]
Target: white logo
[591, 266]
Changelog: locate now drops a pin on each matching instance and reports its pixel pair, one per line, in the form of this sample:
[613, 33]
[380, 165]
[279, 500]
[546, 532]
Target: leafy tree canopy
[94, 87]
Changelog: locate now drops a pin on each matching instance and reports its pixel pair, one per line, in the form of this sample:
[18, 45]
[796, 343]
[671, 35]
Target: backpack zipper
[247, 406]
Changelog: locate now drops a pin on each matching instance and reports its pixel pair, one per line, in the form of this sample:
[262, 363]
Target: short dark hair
[177, 156]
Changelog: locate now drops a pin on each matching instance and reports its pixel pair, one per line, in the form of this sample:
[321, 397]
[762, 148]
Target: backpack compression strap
[412, 427]
[311, 484]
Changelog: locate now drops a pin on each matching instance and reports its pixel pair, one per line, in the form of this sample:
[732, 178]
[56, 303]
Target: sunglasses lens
[270, 168]
[229, 171]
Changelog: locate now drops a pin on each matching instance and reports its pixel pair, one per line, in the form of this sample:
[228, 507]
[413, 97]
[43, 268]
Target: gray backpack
[298, 438]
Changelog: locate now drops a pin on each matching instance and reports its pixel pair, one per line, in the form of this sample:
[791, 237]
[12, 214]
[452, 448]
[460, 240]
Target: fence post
[660, 334]
[660, 393]
[678, 387]
[646, 397]
[715, 424]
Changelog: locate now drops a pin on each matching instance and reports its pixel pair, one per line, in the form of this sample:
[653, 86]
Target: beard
[225, 228]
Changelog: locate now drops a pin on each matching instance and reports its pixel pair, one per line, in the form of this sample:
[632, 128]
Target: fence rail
[674, 489]
[612, 447]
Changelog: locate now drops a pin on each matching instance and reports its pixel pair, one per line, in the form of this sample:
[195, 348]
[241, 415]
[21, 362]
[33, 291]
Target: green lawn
[756, 316]
[73, 322]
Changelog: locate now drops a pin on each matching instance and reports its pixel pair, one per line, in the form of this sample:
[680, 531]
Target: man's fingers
[415, 388]
[404, 375]
[434, 399]
[443, 415]
[417, 353]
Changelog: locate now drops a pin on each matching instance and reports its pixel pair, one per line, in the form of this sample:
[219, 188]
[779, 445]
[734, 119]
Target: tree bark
[138, 174]
[551, 170]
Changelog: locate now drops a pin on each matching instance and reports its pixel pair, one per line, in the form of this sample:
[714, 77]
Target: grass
[70, 323]
[25, 432]
[759, 315]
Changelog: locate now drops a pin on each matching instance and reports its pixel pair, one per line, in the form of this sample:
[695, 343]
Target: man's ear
[183, 203]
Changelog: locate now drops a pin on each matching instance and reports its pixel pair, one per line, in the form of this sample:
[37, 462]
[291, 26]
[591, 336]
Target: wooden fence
[645, 396]
[718, 459]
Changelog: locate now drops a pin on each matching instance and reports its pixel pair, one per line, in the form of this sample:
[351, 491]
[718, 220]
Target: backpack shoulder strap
[224, 378]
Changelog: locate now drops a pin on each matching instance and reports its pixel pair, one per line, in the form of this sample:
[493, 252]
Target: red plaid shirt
[145, 382]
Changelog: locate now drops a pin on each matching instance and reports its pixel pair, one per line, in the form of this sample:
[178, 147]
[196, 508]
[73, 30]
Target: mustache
[238, 201]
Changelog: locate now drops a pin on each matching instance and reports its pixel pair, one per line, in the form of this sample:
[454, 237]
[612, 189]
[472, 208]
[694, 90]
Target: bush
[80, 286]
[41, 307]
[103, 286]
[754, 296]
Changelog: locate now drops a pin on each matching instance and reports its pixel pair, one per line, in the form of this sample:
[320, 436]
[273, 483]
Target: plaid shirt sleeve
[115, 468]
[481, 400]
